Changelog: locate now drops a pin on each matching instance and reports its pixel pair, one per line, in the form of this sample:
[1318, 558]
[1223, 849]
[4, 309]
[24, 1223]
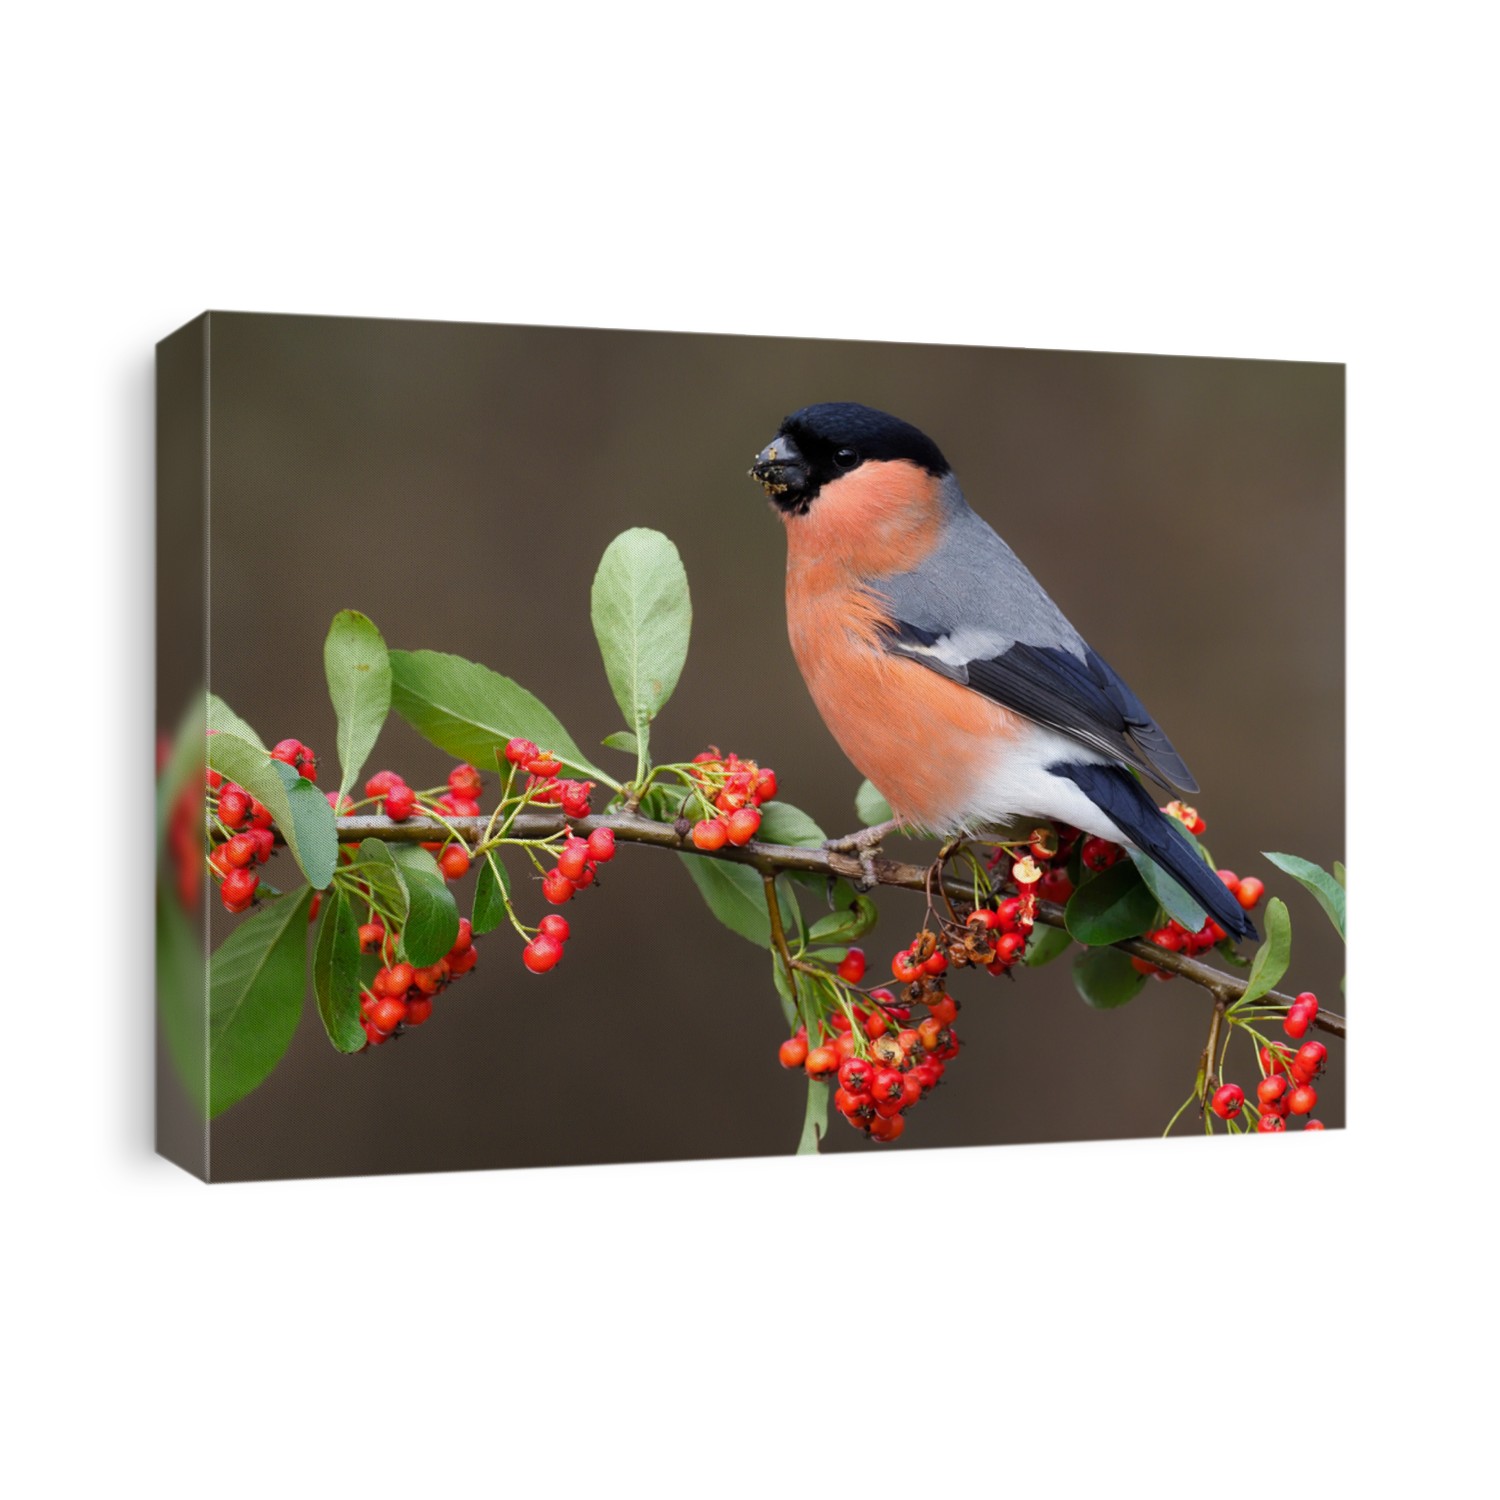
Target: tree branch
[772, 859]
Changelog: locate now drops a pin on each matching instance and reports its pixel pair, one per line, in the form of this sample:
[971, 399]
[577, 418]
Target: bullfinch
[942, 667]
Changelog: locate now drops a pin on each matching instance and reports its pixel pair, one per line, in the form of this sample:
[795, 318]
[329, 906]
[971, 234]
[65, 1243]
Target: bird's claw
[866, 844]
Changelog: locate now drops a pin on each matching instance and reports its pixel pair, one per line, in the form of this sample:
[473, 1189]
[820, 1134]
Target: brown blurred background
[457, 483]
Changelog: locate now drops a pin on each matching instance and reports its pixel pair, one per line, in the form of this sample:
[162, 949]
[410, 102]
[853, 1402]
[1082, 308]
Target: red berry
[1230, 879]
[239, 888]
[418, 1010]
[555, 926]
[575, 798]
[1273, 1059]
[374, 1037]
[856, 1075]
[936, 963]
[602, 845]
[765, 785]
[1009, 947]
[1250, 891]
[399, 978]
[399, 803]
[264, 841]
[557, 888]
[234, 807]
[1309, 1060]
[541, 953]
[1297, 1021]
[1228, 1101]
[371, 936]
[382, 782]
[463, 962]
[1312, 1124]
[289, 751]
[1007, 915]
[710, 833]
[793, 1052]
[1304, 1099]
[465, 781]
[431, 979]
[944, 1010]
[239, 851]
[521, 752]
[821, 1060]
[1269, 1124]
[574, 856]
[743, 825]
[886, 1085]
[388, 1014]
[852, 968]
[465, 939]
[454, 862]
[1272, 1091]
[544, 764]
[887, 1129]
[1100, 854]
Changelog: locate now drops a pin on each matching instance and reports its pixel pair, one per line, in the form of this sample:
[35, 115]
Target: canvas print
[582, 746]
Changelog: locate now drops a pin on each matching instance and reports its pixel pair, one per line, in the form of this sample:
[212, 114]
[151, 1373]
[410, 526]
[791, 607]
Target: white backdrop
[1302, 181]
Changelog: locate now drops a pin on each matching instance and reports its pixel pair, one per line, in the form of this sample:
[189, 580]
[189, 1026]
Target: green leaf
[815, 1121]
[1114, 905]
[377, 868]
[1231, 955]
[1328, 890]
[642, 617]
[845, 926]
[432, 914]
[735, 895]
[1338, 874]
[184, 767]
[490, 892]
[1106, 978]
[358, 669]
[222, 719]
[180, 993]
[255, 985]
[471, 712]
[621, 739]
[869, 806]
[784, 992]
[336, 973]
[1045, 944]
[781, 823]
[301, 811]
[1171, 895]
[1274, 956]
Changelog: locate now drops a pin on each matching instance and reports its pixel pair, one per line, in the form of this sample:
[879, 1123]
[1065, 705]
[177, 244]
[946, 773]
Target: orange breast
[925, 741]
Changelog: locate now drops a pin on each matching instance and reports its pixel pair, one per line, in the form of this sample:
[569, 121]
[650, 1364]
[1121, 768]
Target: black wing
[1079, 695]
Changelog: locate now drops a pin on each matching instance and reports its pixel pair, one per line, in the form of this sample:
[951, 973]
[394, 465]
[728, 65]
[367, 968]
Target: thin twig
[772, 859]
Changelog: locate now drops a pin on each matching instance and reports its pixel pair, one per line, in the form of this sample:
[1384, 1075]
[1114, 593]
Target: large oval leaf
[1328, 889]
[432, 914]
[358, 669]
[301, 811]
[736, 896]
[1274, 956]
[255, 983]
[870, 805]
[336, 973]
[781, 823]
[1116, 904]
[642, 616]
[490, 891]
[471, 712]
[1173, 896]
[1106, 978]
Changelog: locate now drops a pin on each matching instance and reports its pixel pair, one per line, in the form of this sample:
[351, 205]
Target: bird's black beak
[780, 468]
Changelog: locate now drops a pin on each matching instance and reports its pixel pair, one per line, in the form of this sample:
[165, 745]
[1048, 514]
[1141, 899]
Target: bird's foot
[866, 844]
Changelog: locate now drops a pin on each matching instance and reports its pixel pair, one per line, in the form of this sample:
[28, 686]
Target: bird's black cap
[818, 444]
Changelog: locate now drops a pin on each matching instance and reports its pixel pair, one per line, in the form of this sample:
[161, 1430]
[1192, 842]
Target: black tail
[1116, 793]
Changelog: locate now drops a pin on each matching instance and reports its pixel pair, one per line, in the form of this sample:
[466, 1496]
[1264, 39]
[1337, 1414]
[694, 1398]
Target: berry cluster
[882, 1065]
[1286, 1086]
[729, 791]
[400, 996]
[1175, 938]
[241, 836]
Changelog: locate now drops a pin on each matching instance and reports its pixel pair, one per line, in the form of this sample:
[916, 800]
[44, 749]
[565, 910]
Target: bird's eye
[846, 458]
